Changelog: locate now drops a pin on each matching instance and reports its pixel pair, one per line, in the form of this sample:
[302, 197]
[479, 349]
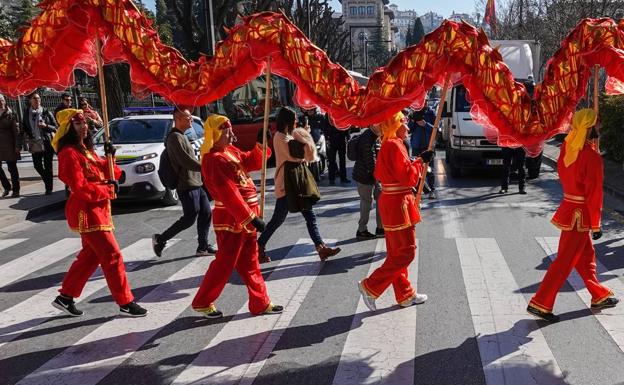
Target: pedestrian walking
[39, 127]
[191, 192]
[336, 146]
[66, 102]
[580, 171]
[9, 149]
[367, 147]
[94, 121]
[286, 119]
[226, 169]
[513, 158]
[421, 131]
[88, 213]
[399, 215]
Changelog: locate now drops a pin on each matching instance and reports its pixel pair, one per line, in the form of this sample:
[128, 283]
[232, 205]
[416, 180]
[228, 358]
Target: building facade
[431, 21]
[403, 20]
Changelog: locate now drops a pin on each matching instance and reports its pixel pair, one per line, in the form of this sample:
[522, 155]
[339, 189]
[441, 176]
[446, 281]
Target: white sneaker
[369, 300]
[433, 195]
[414, 300]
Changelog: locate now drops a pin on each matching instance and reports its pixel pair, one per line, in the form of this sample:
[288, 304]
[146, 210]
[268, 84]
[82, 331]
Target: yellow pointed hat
[582, 121]
[64, 119]
[212, 131]
[391, 126]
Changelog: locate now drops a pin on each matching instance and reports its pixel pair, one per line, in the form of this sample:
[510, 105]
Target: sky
[443, 7]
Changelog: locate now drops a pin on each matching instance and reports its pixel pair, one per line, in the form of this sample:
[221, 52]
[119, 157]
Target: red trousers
[98, 248]
[401, 246]
[235, 251]
[575, 251]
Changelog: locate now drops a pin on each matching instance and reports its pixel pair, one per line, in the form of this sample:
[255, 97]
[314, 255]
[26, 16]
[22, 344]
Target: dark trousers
[42, 161]
[337, 148]
[279, 216]
[15, 182]
[430, 178]
[515, 156]
[195, 206]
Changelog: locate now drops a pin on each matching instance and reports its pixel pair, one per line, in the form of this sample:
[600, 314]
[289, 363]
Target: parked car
[140, 140]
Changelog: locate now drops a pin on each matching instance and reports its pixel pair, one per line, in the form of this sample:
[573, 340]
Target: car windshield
[129, 131]
[461, 102]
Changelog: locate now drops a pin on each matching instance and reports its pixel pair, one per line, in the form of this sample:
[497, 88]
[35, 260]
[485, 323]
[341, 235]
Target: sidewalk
[32, 201]
[613, 172]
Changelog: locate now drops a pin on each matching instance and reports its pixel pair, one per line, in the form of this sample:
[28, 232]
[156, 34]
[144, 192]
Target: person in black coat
[39, 126]
[336, 145]
[368, 145]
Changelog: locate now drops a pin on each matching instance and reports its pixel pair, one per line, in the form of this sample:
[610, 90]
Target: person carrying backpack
[195, 203]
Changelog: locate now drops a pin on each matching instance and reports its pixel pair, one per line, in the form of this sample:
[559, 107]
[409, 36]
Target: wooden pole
[100, 65]
[596, 107]
[265, 128]
[432, 139]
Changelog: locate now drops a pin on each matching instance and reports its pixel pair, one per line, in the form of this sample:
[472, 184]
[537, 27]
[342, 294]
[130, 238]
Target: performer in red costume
[225, 171]
[399, 214]
[88, 212]
[580, 171]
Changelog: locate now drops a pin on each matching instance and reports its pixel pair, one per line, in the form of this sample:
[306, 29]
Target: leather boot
[325, 252]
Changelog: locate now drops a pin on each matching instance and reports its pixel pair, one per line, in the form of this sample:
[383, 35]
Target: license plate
[494, 162]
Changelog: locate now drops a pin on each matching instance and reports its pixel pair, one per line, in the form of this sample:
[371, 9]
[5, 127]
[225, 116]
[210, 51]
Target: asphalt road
[480, 258]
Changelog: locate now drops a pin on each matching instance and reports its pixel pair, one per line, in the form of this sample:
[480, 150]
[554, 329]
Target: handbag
[296, 149]
[35, 146]
[302, 192]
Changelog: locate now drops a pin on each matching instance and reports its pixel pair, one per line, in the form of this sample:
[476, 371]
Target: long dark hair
[71, 138]
[285, 120]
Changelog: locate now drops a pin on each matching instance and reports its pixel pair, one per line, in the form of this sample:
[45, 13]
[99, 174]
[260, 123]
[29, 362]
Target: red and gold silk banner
[61, 38]
[490, 13]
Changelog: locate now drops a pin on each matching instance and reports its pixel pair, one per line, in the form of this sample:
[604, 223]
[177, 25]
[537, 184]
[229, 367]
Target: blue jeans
[279, 216]
[195, 206]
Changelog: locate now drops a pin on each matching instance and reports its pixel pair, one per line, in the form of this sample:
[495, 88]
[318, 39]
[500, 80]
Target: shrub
[612, 131]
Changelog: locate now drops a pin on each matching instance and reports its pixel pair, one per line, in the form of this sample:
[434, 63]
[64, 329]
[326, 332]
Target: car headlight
[148, 156]
[144, 168]
[468, 142]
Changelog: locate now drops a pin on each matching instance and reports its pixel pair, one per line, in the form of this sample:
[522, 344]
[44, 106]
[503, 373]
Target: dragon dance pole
[596, 107]
[265, 128]
[432, 139]
[100, 66]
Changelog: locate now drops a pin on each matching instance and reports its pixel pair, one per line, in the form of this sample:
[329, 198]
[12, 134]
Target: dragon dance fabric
[62, 38]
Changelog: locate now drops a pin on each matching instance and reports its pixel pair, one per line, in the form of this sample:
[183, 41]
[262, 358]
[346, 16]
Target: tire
[455, 171]
[170, 198]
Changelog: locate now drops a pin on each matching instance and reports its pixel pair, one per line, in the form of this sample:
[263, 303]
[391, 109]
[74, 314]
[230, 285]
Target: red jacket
[397, 175]
[226, 177]
[581, 207]
[88, 207]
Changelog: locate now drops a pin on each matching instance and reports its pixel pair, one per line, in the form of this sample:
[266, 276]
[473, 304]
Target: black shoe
[67, 305]
[503, 191]
[211, 312]
[48, 192]
[345, 181]
[549, 317]
[332, 182]
[15, 194]
[157, 246]
[273, 309]
[6, 192]
[262, 257]
[522, 191]
[380, 233]
[133, 309]
[605, 303]
[210, 250]
[364, 235]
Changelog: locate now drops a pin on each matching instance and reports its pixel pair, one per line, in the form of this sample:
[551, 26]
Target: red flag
[490, 14]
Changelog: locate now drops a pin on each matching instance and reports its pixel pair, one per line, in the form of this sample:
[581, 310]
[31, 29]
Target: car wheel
[170, 198]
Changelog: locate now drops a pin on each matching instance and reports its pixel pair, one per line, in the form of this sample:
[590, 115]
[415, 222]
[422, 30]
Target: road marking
[379, 343]
[97, 354]
[513, 349]
[28, 314]
[37, 260]
[451, 224]
[612, 320]
[6, 243]
[223, 360]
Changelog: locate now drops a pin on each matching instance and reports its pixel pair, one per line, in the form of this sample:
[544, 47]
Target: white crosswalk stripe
[36, 309]
[6, 243]
[612, 320]
[378, 343]
[507, 338]
[37, 260]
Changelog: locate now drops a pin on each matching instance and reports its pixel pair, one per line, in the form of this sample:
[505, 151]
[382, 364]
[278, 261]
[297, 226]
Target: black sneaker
[133, 309]
[605, 303]
[211, 312]
[503, 191]
[345, 181]
[273, 309]
[67, 305]
[380, 233]
[157, 246]
[210, 250]
[550, 317]
[522, 191]
[364, 235]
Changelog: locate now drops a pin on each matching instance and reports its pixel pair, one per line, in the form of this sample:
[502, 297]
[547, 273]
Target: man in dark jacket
[421, 131]
[66, 102]
[39, 126]
[336, 145]
[195, 204]
[368, 145]
[315, 121]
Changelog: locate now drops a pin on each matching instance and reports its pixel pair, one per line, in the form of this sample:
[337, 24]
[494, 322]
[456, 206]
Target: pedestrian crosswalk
[377, 348]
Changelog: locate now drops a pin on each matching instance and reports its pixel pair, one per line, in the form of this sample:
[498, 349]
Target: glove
[258, 224]
[114, 183]
[109, 149]
[427, 155]
[596, 235]
[259, 136]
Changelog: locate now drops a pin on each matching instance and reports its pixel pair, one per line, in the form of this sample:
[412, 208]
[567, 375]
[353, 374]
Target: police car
[140, 140]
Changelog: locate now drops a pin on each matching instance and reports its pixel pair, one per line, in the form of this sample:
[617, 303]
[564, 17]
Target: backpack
[352, 147]
[168, 176]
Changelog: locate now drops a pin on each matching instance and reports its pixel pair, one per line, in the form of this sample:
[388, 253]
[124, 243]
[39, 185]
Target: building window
[361, 10]
[353, 10]
[370, 10]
